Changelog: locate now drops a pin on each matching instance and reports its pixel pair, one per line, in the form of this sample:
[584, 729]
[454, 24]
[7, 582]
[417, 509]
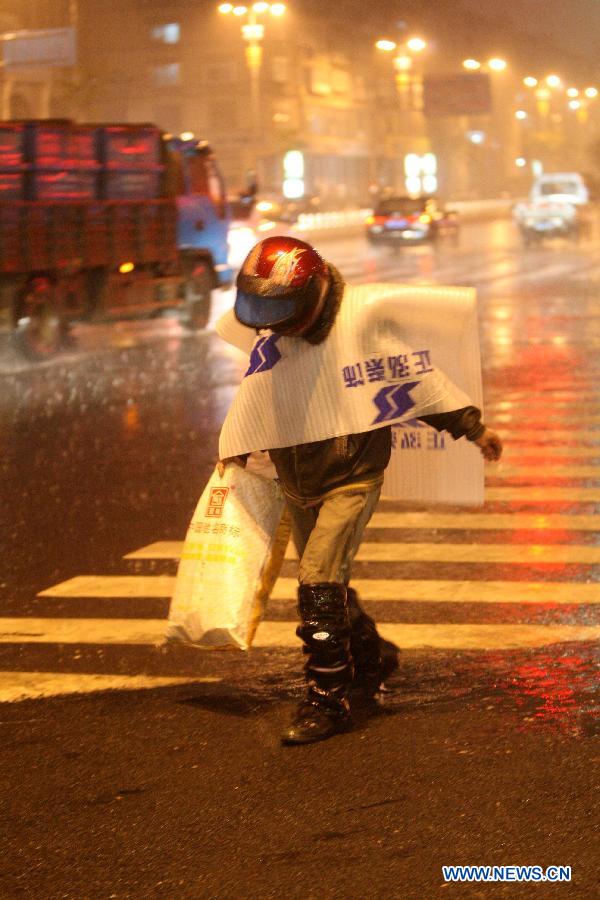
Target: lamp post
[403, 61]
[411, 146]
[253, 32]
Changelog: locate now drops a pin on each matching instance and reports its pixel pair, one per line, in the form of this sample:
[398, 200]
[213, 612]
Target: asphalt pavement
[131, 772]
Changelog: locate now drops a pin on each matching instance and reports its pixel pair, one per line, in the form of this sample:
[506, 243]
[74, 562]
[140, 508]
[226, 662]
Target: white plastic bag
[230, 561]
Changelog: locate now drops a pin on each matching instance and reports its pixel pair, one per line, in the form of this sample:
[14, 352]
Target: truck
[560, 187]
[558, 206]
[103, 222]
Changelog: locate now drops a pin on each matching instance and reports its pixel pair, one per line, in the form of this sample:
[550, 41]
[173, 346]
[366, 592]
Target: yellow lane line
[137, 587]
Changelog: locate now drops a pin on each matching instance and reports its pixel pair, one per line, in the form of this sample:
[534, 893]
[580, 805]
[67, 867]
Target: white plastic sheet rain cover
[394, 353]
[231, 557]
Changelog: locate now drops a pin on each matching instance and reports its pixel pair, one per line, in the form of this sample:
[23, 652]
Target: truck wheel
[198, 291]
[41, 332]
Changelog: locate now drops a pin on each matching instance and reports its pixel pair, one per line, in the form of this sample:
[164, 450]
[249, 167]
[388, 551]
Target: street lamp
[253, 32]
[403, 64]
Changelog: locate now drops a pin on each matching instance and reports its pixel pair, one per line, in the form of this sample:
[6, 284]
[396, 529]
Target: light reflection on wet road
[107, 449]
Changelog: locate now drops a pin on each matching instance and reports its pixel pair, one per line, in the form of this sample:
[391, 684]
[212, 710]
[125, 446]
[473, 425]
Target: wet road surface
[174, 784]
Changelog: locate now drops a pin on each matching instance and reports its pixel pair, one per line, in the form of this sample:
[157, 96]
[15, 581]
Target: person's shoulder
[233, 332]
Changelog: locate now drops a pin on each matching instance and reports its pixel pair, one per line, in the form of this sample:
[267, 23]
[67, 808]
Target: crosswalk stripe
[543, 470]
[546, 450]
[542, 494]
[426, 591]
[137, 587]
[150, 632]
[531, 435]
[16, 686]
[422, 552]
[531, 403]
[473, 553]
[455, 637]
[570, 417]
[473, 521]
[113, 586]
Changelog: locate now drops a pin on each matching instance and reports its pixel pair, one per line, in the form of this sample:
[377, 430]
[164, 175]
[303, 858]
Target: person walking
[324, 387]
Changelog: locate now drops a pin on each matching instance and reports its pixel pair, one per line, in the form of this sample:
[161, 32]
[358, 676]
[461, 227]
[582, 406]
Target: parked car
[408, 220]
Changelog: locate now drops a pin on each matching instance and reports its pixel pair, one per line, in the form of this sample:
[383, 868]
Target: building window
[167, 75]
[167, 34]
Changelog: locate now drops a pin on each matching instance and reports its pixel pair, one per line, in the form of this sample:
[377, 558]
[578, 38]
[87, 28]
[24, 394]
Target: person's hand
[236, 460]
[490, 445]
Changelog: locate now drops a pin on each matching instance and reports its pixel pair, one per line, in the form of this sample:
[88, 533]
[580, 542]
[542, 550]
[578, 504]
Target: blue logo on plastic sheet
[393, 401]
[264, 355]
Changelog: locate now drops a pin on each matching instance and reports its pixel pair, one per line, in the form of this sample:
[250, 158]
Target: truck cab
[203, 214]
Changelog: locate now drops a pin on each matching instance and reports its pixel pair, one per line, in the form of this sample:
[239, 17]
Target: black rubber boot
[374, 658]
[325, 629]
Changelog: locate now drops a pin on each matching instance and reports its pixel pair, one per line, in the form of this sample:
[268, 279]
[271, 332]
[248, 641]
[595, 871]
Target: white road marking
[429, 591]
[544, 451]
[473, 553]
[450, 637]
[138, 587]
[527, 418]
[542, 494]
[425, 552]
[543, 470]
[545, 435]
[282, 634]
[473, 521]
[16, 686]
[119, 586]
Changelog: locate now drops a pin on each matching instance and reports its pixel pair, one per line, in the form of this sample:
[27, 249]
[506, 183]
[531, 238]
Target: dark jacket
[309, 472]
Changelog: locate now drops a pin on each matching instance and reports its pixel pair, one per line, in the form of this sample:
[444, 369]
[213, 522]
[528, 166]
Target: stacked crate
[131, 159]
[132, 184]
[62, 157]
[82, 196]
[12, 161]
[13, 171]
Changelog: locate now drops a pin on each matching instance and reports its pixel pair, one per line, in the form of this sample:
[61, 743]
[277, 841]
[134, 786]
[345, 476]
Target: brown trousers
[328, 536]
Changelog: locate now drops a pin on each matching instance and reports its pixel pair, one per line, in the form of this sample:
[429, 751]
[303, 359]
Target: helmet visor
[286, 311]
[264, 312]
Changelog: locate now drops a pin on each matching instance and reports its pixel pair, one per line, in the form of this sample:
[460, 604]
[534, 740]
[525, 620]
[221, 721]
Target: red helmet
[281, 285]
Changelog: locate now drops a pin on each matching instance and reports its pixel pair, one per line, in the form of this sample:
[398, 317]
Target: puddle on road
[552, 689]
